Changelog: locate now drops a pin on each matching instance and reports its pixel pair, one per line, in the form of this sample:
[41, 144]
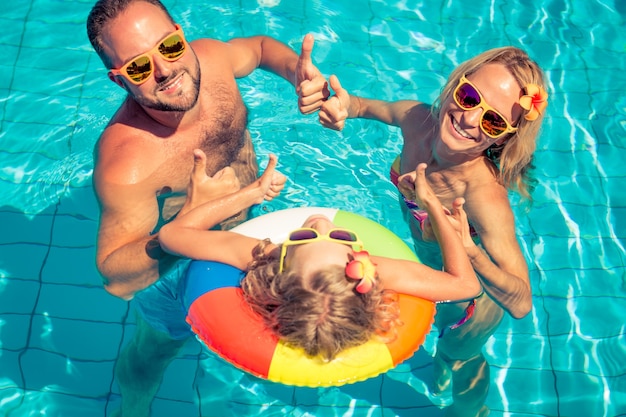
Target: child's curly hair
[323, 314]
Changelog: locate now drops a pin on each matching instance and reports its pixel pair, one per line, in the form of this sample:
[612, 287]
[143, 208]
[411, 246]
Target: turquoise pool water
[60, 333]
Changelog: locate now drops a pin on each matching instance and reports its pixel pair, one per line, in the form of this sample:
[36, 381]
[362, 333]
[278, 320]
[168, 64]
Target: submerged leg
[443, 375]
[460, 358]
[141, 366]
[470, 383]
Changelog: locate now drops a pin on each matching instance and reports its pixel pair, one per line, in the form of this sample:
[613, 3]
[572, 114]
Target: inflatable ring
[220, 318]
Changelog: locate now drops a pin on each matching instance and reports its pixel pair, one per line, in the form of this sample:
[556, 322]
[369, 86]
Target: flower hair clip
[534, 101]
[362, 268]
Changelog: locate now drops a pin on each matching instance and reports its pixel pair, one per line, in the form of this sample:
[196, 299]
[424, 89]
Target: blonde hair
[324, 314]
[514, 156]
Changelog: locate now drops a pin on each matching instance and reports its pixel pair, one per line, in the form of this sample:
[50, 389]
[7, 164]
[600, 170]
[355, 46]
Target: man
[181, 96]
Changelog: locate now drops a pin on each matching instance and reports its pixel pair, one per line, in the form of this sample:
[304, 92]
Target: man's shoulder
[217, 58]
[121, 155]
[128, 128]
[119, 137]
[204, 47]
[207, 42]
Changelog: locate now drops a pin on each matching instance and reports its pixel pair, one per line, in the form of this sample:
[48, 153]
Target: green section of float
[370, 232]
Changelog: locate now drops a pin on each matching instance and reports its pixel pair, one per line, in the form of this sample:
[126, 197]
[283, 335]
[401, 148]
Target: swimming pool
[60, 333]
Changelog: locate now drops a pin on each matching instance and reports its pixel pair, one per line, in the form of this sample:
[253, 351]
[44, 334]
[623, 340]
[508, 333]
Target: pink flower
[534, 101]
[361, 267]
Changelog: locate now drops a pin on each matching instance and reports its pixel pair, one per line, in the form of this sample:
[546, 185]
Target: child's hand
[413, 186]
[272, 182]
[458, 218]
[406, 185]
[424, 195]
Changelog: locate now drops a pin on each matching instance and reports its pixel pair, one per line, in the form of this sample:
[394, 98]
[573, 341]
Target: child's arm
[189, 236]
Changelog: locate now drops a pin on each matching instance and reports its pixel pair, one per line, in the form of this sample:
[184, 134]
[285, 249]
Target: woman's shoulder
[418, 133]
[483, 187]
[418, 117]
[487, 203]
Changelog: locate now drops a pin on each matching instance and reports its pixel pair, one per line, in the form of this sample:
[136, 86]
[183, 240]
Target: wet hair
[105, 11]
[324, 314]
[514, 156]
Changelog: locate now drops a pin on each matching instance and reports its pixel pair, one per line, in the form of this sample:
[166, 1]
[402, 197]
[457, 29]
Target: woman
[319, 290]
[478, 139]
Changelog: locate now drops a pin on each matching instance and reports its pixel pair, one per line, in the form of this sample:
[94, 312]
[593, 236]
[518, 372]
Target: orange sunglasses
[138, 69]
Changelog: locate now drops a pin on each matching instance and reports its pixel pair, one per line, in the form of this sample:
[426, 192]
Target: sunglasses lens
[139, 69]
[493, 123]
[172, 47]
[343, 235]
[467, 96]
[302, 234]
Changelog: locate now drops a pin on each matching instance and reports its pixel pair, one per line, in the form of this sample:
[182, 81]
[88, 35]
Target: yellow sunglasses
[492, 123]
[308, 235]
[138, 69]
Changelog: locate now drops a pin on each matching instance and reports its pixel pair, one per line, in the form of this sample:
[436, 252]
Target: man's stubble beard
[181, 104]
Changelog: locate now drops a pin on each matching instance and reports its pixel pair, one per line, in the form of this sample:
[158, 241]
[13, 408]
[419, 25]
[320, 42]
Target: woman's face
[310, 257]
[460, 129]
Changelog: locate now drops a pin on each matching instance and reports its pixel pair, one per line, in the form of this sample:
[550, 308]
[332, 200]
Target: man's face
[172, 85]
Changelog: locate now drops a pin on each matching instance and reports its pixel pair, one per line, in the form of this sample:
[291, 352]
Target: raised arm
[247, 54]
[458, 280]
[343, 105]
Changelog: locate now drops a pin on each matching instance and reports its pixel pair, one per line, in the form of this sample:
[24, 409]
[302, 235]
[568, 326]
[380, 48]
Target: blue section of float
[205, 276]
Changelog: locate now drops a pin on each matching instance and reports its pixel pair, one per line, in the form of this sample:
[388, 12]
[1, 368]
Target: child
[319, 290]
